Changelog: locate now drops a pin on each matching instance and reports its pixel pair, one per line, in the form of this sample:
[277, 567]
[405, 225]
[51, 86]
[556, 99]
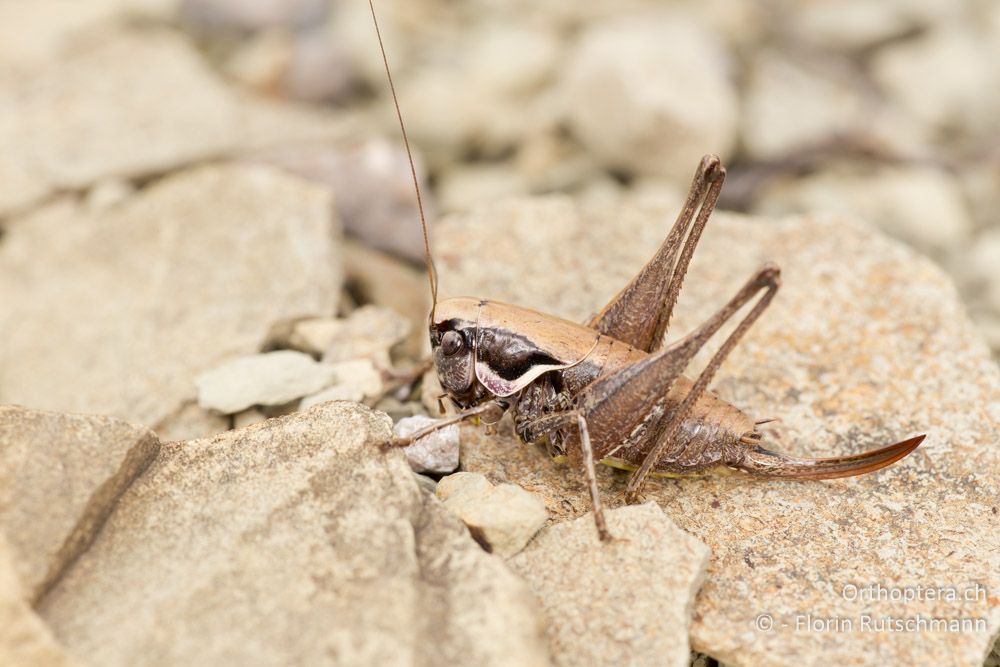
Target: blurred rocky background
[885, 112]
[208, 233]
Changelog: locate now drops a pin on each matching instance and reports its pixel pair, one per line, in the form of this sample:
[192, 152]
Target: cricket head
[453, 341]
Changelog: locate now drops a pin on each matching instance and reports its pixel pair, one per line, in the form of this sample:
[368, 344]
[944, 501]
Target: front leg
[490, 412]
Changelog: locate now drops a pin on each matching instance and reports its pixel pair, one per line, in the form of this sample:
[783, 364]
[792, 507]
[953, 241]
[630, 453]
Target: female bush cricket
[608, 390]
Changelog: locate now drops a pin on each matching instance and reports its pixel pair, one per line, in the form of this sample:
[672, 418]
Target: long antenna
[431, 270]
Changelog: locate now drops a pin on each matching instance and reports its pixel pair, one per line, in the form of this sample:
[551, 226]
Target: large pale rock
[36, 33]
[118, 313]
[921, 205]
[479, 92]
[294, 541]
[24, 638]
[60, 476]
[468, 185]
[373, 188]
[865, 343]
[841, 25]
[947, 78]
[630, 597]
[650, 94]
[795, 103]
[272, 378]
[99, 111]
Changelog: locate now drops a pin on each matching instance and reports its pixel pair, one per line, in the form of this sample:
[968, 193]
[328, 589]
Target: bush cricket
[608, 390]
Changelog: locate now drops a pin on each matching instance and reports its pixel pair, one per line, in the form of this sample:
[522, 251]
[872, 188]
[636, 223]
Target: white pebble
[437, 452]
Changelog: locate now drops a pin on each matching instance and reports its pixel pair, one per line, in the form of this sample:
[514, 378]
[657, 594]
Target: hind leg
[767, 279]
[640, 313]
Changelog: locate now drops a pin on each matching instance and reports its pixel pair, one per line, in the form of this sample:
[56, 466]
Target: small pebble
[353, 380]
[502, 518]
[437, 452]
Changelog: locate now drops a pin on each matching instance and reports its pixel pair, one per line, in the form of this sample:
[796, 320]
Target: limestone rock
[370, 332]
[313, 334]
[248, 417]
[321, 69]
[118, 313]
[630, 598]
[352, 380]
[269, 125]
[468, 185]
[372, 185]
[847, 25]
[260, 61]
[426, 484]
[108, 193]
[379, 278]
[272, 378]
[650, 94]
[97, 111]
[236, 16]
[24, 638]
[437, 452]
[920, 205]
[190, 421]
[947, 78]
[792, 104]
[289, 542]
[34, 34]
[502, 518]
[480, 93]
[60, 477]
[865, 344]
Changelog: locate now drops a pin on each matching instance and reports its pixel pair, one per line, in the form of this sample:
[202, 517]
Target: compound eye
[451, 343]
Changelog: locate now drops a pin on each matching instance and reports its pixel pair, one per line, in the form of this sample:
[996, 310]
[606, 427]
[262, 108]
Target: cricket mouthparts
[766, 463]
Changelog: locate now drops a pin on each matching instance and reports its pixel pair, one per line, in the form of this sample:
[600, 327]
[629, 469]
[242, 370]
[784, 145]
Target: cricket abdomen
[708, 437]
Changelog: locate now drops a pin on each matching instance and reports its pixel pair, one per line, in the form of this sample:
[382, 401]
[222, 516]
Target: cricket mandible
[608, 390]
